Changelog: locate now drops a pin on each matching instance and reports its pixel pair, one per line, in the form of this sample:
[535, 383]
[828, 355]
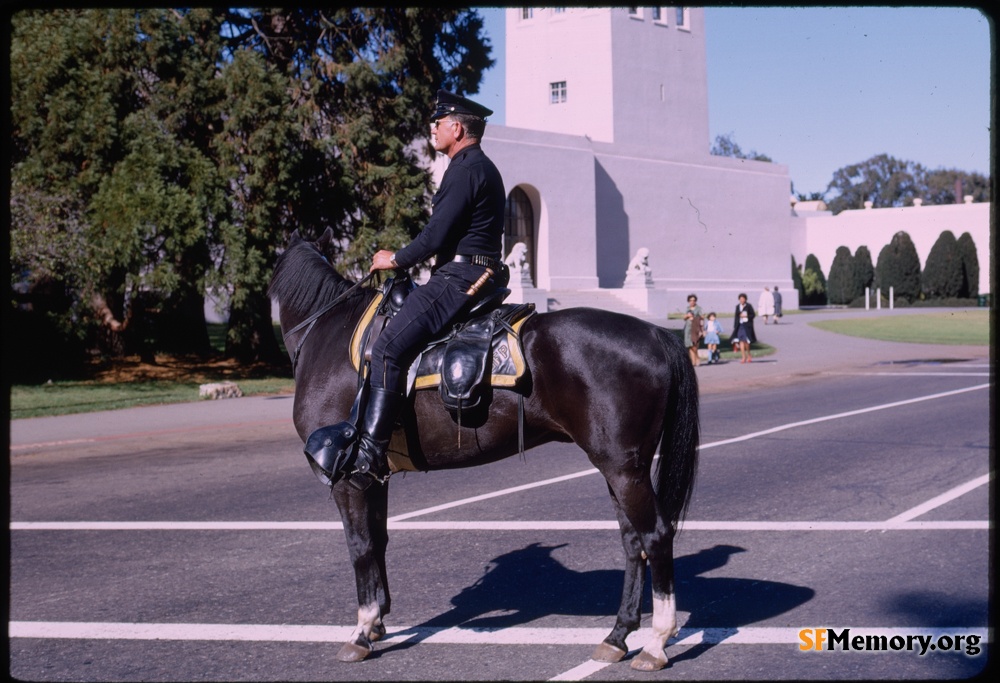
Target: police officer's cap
[450, 103]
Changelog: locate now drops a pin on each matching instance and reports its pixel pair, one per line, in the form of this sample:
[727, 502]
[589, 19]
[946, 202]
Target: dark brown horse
[616, 386]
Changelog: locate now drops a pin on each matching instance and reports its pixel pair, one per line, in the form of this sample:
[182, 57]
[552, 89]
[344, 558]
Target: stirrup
[362, 480]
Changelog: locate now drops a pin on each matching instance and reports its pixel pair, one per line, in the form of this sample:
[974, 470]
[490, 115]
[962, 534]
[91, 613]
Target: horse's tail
[678, 462]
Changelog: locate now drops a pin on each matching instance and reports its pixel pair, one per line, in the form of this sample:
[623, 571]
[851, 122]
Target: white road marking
[494, 494]
[914, 374]
[518, 635]
[940, 500]
[506, 525]
[839, 416]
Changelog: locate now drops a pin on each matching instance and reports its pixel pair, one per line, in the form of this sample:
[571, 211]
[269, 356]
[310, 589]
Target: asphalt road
[193, 542]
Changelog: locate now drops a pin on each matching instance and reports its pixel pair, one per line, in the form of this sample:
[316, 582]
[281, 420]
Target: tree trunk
[251, 336]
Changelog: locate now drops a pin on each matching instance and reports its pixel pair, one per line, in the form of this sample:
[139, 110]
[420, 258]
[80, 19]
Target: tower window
[681, 17]
[527, 12]
[657, 14]
[557, 92]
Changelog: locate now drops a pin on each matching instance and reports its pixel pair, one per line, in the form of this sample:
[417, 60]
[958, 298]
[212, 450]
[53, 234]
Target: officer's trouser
[427, 311]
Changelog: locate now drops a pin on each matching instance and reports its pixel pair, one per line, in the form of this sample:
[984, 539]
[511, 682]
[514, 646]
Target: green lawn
[64, 398]
[958, 327]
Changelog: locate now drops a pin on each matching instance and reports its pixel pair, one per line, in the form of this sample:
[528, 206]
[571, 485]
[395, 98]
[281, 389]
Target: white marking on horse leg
[664, 626]
[368, 617]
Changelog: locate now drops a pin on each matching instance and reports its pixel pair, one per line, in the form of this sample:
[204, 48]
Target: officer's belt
[479, 260]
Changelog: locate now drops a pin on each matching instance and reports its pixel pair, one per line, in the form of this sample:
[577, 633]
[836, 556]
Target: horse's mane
[304, 280]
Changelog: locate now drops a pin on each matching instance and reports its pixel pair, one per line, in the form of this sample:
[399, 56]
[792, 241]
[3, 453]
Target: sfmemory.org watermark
[891, 640]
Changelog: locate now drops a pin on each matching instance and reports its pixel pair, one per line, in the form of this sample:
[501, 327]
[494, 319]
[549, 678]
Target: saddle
[482, 351]
[465, 362]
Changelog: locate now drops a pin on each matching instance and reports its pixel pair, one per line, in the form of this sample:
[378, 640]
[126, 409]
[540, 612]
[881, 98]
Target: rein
[310, 322]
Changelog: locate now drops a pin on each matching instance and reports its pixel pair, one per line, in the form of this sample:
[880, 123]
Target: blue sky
[817, 89]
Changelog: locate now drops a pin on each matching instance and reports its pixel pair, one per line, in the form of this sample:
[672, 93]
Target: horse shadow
[529, 583]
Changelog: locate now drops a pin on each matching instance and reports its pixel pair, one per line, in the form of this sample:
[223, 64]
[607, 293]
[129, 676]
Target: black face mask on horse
[620, 388]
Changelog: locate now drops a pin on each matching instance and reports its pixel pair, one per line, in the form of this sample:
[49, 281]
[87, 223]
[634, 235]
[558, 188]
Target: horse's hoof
[352, 652]
[378, 632]
[647, 662]
[608, 653]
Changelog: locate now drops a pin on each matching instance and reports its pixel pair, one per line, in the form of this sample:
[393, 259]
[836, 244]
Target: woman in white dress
[765, 304]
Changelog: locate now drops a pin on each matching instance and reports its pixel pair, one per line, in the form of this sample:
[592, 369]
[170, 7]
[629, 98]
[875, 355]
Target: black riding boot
[376, 430]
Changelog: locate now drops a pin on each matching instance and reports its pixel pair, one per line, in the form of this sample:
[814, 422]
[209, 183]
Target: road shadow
[524, 585]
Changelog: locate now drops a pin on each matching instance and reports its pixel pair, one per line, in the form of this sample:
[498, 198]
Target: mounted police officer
[464, 232]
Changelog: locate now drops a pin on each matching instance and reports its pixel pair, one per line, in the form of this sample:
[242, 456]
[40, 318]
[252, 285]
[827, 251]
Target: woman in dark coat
[743, 335]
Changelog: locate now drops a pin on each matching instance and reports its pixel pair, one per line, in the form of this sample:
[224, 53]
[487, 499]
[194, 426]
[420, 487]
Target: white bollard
[878, 298]
[890, 299]
[868, 301]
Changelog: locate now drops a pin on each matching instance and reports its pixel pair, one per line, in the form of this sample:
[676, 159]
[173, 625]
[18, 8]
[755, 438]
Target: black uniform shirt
[467, 216]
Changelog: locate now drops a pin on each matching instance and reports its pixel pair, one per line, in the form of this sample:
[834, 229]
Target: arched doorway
[519, 226]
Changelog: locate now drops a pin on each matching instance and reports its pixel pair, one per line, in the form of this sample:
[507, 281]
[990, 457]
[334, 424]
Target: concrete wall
[557, 173]
[821, 233]
[716, 226]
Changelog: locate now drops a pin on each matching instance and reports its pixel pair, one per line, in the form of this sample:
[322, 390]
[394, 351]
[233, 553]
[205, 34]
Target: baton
[480, 282]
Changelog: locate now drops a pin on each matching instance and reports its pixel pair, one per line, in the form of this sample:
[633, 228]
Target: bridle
[310, 322]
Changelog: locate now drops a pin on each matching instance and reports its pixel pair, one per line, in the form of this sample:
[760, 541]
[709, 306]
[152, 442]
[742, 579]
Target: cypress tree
[942, 277]
[840, 284]
[864, 271]
[899, 267]
[797, 280]
[970, 266]
[813, 282]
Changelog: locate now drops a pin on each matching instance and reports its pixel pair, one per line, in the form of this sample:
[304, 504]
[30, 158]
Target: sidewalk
[802, 351]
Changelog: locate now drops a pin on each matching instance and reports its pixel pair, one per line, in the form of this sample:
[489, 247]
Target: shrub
[970, 266]
[840, 287]
[942, 277]
[813, 282]
[864, 271]
[797, 280]
[899, 267]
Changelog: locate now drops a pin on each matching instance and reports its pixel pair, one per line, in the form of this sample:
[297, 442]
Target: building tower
[629, 76]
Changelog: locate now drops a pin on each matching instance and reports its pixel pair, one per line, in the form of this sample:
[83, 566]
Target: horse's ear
[324, 241]
[294, 237]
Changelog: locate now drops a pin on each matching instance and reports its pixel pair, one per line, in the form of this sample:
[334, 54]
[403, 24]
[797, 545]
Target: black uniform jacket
[467, 216]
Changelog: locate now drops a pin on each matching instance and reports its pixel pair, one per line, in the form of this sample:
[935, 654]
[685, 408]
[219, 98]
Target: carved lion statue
[640, 262]
[517, 259]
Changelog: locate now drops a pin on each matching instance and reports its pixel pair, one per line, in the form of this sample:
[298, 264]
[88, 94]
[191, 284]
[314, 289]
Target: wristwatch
[393, 261]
